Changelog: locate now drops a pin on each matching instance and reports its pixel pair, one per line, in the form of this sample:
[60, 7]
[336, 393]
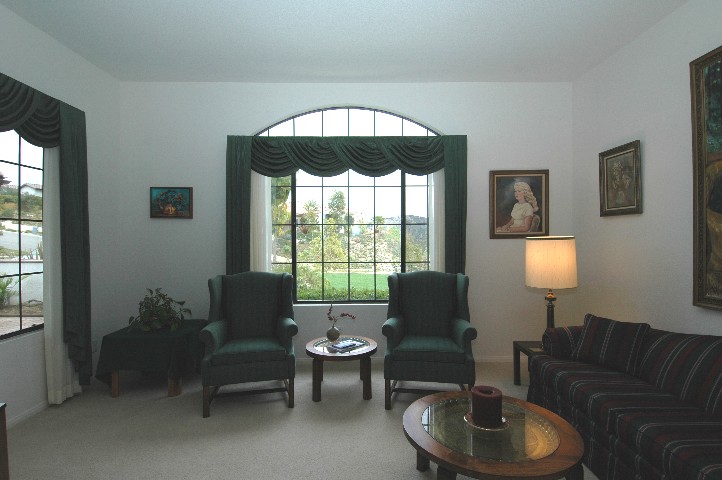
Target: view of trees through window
[21, 234]
[342, 236]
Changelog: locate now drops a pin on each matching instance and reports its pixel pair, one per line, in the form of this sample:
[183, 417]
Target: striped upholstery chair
[249, 337]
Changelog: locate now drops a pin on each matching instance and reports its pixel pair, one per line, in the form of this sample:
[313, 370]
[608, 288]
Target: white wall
[639, 267]
[174, 134]
[32, 57]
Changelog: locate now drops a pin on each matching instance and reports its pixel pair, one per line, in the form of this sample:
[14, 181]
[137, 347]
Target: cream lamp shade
[551, 262]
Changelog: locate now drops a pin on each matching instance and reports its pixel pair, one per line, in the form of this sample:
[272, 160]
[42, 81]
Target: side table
[176, 352]
[528, 348]
[317, 350]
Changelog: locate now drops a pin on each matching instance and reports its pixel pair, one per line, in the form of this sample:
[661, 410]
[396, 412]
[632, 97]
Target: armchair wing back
[249, 337]
[428, 330]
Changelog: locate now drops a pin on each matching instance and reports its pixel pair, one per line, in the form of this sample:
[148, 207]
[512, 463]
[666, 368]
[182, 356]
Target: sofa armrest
[393, 330]
[560, 342]
[462, 333]
[214, 335]
[285, 331]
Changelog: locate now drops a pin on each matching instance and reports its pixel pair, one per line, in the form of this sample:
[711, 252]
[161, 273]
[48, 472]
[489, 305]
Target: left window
[21, 235]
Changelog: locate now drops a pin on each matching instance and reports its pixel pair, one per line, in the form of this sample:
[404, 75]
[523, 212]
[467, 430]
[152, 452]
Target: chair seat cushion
[427, 348]
[262, 349]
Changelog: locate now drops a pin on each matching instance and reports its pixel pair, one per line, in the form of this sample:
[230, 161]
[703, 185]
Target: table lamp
[551, 263]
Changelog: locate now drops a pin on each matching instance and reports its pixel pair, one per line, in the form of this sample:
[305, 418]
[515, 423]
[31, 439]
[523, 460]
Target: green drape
[47, 122]
[329, 156]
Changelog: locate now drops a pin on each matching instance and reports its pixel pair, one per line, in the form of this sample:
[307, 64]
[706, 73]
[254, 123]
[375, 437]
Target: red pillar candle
[486, 406]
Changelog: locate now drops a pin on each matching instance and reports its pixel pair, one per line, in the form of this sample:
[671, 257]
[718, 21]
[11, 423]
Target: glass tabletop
[323, 344]
[525, 435]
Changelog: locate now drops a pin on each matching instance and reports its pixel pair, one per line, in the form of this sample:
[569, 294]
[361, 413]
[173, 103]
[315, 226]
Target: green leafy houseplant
[158, 311]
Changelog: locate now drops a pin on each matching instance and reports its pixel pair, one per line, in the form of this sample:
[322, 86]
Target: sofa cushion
[601, 393]
[264, 349]
[685, 445]
[610, 343]
[559, 342]
[686, 365]
[428, 349]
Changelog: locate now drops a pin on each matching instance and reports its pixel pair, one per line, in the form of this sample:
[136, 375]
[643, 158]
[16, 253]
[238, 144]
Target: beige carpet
[143, 434]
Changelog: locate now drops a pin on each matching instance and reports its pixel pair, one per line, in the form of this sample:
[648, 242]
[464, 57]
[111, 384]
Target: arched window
[341, 236]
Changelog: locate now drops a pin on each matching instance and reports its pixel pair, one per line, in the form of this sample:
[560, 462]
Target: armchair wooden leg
[387, 394]
[290, 393]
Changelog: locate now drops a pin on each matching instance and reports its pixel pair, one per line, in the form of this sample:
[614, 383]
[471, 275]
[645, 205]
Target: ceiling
[344, 40]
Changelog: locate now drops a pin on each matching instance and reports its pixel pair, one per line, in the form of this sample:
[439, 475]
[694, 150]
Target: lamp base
[550, 298]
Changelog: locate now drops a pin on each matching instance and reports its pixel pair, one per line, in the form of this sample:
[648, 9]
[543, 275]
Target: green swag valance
[46, 122]
[329, 156]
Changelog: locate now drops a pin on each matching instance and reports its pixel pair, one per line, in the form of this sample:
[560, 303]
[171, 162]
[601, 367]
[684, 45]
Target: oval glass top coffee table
[319, 350]
[533, 443]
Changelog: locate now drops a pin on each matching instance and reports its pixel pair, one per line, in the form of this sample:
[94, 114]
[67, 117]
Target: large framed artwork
[706, 94]
[620, 180]
[171, 202]
[518, 203]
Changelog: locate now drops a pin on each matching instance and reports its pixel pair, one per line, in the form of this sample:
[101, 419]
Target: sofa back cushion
[688, 366]
[610, 343]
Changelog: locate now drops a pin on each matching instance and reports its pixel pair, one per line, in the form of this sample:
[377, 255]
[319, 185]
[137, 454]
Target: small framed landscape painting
[518, 203]
[171, 202]
[620, 180]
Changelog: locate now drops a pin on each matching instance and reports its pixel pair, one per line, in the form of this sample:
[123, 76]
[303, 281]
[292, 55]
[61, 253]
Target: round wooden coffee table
[319, 351]
[534, 443]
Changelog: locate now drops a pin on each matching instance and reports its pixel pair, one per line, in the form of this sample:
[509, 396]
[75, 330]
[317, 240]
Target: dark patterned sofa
[647, 402]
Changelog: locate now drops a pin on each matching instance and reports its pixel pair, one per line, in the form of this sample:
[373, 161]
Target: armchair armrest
[462, 333]
[560, 342]
[214, 335]
[285, 331]
[393, 330]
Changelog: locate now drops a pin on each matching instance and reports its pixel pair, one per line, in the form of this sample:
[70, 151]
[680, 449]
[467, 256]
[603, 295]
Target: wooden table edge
[568, 455]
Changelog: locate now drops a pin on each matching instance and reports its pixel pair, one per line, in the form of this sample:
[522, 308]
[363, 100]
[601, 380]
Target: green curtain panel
[47, 122]
[329, 156]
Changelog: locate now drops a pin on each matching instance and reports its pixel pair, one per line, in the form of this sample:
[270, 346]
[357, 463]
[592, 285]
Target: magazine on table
[345, 345]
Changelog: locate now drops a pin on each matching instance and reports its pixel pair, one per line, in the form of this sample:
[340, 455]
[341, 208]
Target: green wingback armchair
[249, 336]
[428, 331]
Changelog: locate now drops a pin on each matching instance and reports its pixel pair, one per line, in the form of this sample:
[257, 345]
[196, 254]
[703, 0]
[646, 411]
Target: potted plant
[158, 311]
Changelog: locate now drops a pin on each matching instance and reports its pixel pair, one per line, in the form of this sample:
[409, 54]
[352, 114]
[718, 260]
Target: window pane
[281, 268]
[281, 181]
[417, 267]
[281, 205]
[387, 125]
[336, 285]
[308, 125]
[9, 146]
[334, 208]
[335, 122]
[388, 204]
[388, 244]
[392, 179]
[281, 245]
[284, 129]
[308, 281]
[335, 244]
[30, 155]
[31, 293]
[361, 123]
[416, 205]
[308, 205]
[9, 203]
[361, 248]
[340, 180]
[417, 241]
[31, 197]
[10, 249]
[361, 204]
[422, 180]
[32, 247]
[308, 243]
[304, 179]
[362, 280]
[413, 129]
[357, 180]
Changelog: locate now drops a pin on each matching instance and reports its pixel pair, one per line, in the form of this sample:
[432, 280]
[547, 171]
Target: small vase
[333, 333]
